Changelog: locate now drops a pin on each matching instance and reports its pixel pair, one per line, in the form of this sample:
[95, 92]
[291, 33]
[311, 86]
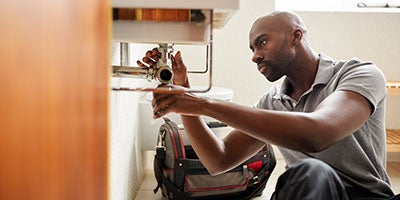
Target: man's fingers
[161, 112]
[140, 64]
[178, 57]
[149, 61]
[177, 62]
[149, 53]
[155, 51]
[156, 57]
[161, 105]
[155, 54]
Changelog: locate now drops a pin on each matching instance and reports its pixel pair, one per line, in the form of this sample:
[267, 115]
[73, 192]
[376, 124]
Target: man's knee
[310, 179]
[311, 166]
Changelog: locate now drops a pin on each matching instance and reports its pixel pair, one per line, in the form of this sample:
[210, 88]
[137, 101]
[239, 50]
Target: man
[327, 117]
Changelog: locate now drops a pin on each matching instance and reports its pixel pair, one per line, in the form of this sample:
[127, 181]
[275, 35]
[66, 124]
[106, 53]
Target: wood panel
[393, 140]
[54, 99]
[393, 88]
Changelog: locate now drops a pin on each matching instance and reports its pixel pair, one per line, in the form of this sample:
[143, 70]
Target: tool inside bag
[181, 175]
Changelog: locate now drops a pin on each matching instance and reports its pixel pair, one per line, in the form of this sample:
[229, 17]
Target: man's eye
[262, 43]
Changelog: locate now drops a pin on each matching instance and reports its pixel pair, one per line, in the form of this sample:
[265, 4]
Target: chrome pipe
[163, 74]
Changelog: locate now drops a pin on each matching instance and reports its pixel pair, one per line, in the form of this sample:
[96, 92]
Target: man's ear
[297, 35]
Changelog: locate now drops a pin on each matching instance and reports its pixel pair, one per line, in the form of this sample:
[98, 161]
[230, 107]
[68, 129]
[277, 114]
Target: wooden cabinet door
[54, 84]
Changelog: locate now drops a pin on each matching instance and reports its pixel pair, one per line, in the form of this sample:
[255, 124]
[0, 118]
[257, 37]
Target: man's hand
[165, 101]
[180, 71]
[183, 103]
[178, 67]
[150, 59]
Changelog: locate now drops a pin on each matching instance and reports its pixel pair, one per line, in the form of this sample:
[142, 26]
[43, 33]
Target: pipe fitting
[164, 74]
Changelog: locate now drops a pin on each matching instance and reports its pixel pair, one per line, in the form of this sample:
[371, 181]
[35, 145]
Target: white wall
[341, 35]
[369, 36]
[126, 163]
[126, 170]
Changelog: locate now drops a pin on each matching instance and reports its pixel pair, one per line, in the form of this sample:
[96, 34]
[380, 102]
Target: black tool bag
[181, 175]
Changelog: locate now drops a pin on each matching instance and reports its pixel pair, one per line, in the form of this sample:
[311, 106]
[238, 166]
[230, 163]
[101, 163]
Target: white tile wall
[126, 166]
[126, 171]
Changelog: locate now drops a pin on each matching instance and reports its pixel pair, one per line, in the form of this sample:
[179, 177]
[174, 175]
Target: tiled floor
[146, 190]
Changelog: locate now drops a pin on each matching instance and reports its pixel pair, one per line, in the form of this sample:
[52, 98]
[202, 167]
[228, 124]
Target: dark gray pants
[309, 179]
[313, 179]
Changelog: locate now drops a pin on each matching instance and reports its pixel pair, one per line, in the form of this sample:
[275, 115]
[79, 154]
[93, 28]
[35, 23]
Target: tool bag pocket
[181, 175]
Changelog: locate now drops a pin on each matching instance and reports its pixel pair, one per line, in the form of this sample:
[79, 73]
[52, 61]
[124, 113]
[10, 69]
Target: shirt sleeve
[265, 101]
[365, 79]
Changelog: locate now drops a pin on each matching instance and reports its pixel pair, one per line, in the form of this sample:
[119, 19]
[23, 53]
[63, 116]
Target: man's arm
[338, 116]
[218, 155]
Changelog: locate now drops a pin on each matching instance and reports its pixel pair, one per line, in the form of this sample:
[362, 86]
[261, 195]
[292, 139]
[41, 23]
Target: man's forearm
[206, 144]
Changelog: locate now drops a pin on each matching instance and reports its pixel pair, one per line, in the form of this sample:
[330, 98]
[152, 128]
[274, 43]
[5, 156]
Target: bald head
[279, 24]
[281, 20]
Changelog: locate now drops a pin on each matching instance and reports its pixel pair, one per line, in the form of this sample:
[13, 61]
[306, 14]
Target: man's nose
[257, 56]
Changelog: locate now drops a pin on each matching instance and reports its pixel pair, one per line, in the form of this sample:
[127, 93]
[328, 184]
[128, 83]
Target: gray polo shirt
[360, 158]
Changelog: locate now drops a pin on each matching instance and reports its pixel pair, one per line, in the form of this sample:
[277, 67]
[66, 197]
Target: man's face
[272, 50]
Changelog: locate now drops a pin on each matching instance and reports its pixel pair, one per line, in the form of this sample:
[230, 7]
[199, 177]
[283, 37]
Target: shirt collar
[324, 74]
